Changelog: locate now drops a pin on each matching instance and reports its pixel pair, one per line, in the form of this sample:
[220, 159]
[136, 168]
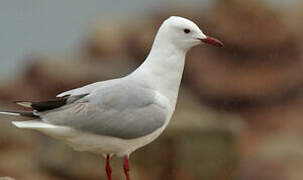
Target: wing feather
[50, 104]
[121, 110]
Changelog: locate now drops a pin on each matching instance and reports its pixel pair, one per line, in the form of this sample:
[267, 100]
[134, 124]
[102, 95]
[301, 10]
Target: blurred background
[239, 114]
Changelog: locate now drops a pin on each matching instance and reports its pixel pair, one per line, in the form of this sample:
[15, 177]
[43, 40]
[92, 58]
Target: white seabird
[118, 116]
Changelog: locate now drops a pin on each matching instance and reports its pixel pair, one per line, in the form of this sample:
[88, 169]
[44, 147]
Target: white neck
[163, 68]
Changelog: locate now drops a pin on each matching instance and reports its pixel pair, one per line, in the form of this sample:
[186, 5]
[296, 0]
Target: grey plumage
[118, 116]
[120, 110]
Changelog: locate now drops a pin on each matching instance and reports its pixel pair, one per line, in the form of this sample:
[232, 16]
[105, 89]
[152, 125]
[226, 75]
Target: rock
[255, 67]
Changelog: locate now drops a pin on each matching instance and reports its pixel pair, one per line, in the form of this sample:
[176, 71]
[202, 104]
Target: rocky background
[239, 114]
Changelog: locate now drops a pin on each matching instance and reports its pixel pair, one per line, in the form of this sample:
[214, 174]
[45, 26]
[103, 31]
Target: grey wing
[88, 88]
[121, 111]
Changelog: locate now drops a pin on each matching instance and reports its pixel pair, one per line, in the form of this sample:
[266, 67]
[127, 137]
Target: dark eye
[186, 31]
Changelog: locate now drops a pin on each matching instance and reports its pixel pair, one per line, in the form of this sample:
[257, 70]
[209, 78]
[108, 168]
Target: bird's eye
[186, 31]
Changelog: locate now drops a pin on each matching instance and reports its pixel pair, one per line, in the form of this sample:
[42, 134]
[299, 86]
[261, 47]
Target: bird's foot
[126, 167]
[108, 168]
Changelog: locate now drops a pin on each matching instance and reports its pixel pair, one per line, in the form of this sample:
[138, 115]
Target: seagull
[118, 116]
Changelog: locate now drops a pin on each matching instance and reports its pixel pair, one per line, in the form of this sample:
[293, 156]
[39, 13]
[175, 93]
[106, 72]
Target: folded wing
[121, 110]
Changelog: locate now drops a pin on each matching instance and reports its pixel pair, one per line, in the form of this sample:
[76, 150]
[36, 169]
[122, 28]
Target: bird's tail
[31, 124]
[10, 113]
[20, 113]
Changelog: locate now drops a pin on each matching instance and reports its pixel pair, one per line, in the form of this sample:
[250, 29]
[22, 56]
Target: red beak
[212, 41]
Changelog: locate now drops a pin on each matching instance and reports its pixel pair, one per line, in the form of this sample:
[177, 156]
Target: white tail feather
[32, 124]
[10, 113]
[48, 129]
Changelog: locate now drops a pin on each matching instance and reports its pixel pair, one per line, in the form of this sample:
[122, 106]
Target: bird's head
[184, 33]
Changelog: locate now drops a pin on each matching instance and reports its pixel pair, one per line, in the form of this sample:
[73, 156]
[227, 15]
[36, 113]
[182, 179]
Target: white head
[183, 33]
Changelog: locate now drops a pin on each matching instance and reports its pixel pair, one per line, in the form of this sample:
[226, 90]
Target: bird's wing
[88, 88]
[41, 106]
[120, 110]
[82, 90]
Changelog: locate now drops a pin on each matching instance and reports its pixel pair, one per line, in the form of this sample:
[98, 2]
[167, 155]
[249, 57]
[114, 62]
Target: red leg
[126, 167]
[108, 168]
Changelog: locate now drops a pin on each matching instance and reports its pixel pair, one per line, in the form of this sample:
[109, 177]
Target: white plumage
[118, 116]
